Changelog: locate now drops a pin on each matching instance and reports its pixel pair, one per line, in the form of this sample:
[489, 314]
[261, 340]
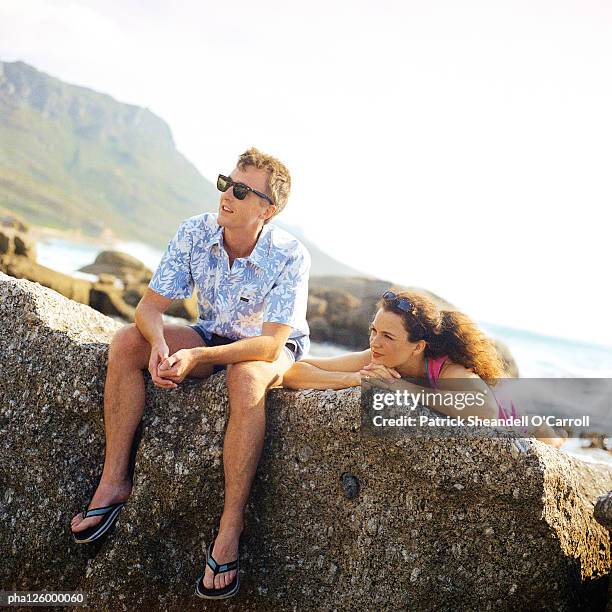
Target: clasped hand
[379, 371]
[167, 371]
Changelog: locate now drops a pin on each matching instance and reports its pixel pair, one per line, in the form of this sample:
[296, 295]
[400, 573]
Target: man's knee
[249, 374]
[127, 343]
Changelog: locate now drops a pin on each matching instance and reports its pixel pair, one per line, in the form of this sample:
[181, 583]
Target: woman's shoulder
[450, 369]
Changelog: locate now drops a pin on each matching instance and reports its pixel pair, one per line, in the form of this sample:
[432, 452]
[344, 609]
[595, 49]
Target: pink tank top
[434, 367]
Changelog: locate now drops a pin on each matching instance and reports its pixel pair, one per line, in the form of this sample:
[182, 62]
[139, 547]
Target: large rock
[125, 267]
[336, 520]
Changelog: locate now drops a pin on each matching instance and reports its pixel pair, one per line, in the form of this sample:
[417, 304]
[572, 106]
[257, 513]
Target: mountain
[73, 158]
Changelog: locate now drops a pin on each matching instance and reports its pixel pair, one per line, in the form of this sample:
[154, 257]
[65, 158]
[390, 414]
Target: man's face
[251, 212]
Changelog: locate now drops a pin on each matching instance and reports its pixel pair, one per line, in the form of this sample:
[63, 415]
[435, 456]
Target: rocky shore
[337, 520]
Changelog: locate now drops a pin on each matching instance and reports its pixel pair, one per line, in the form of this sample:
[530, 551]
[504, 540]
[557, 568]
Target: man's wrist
[200, 354]
[159, 342]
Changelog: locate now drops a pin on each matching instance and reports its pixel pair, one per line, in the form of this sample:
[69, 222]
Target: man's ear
[270, 211]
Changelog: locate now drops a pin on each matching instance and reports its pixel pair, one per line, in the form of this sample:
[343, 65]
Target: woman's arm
[351, 362]
[303, 375]
[327, 372]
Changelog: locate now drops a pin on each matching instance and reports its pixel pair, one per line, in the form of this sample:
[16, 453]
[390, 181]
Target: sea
[537, 356]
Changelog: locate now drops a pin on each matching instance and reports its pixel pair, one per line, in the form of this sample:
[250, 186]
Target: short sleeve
[173, 279]
[287, 300]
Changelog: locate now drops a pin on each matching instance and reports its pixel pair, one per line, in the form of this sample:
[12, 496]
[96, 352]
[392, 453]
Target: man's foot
[105, 495]
[225, 550]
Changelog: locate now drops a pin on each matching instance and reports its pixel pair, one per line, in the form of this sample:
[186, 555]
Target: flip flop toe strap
[220, 569]
[100, 511]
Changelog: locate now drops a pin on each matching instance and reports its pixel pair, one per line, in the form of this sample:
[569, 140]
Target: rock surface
[603, 510]
[603, 513]
[336, 520]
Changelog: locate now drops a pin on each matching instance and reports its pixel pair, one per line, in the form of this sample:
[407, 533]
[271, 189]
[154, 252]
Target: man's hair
[279, 179]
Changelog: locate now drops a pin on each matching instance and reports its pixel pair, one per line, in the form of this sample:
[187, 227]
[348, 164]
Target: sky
[464, 147]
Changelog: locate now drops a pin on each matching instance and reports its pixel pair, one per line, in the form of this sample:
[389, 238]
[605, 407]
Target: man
[252, 287]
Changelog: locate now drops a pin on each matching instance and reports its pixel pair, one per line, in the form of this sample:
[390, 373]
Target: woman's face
[389, 340]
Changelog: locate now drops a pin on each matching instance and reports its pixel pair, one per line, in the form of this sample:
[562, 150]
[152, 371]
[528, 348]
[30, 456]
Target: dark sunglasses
[241, 190]
[399, 302]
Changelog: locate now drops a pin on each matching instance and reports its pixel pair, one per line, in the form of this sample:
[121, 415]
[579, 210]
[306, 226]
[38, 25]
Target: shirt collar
[259, 255]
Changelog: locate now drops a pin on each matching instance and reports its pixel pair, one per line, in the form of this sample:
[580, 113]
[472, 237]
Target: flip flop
[227, 591]
[110, 514]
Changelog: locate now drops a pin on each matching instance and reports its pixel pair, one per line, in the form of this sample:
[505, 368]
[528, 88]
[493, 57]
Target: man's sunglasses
[241, 190]
[399, 302]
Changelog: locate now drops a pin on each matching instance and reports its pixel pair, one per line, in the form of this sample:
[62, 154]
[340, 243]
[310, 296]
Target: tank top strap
[433, 367]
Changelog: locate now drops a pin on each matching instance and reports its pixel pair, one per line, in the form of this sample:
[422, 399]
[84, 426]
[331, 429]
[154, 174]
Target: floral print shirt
[270, 285]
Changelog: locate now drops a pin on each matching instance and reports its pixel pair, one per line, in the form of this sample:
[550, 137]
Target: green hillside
[74, 158]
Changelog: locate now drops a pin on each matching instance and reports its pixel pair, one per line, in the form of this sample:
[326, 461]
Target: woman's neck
[414, 368]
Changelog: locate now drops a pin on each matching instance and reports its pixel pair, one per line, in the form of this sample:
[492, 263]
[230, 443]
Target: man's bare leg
[247, 383]
[124, 396]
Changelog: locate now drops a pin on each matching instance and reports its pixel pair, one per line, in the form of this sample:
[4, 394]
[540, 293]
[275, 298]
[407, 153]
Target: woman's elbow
[488, 410]
[293, 378]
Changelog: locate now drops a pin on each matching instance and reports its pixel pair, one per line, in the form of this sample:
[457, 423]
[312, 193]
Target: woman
[410, 337]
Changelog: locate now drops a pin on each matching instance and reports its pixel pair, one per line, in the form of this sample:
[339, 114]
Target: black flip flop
[110, 514]
[227, 591]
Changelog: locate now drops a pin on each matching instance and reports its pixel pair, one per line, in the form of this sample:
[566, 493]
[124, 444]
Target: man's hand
[377, 370]
[159, 352]
[176, 367]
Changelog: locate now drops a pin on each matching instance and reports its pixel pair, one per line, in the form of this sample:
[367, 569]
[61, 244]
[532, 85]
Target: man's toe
[86, 523]
[208, 581]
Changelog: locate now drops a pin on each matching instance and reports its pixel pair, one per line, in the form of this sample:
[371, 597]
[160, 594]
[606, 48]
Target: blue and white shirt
[270, 285]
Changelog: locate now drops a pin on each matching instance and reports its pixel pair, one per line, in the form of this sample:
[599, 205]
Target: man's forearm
[150, 323]
[257, 348]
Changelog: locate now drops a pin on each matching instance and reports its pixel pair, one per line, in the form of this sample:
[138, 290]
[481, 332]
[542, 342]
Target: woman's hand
[354, 379]
[379, 371]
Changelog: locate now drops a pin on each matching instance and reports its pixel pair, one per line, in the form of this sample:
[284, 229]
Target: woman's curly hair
[448, 332]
